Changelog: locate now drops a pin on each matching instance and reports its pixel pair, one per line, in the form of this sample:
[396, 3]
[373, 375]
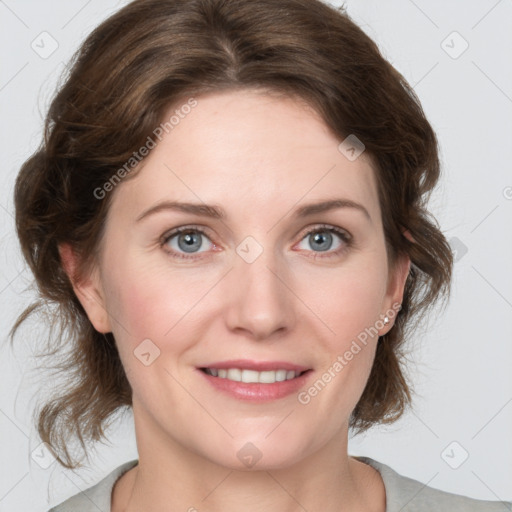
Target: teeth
[249, 376]
[268, 377]
[252, 376]
[234, 374]
[281, 375]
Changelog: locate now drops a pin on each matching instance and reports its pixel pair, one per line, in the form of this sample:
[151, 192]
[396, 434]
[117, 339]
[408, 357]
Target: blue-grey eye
[187, 241]
[324, 239]
[190, 242]
[321, 240]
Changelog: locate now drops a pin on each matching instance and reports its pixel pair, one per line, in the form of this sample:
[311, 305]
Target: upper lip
[259, 366]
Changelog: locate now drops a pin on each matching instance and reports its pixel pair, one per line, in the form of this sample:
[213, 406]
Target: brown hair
[123, 79]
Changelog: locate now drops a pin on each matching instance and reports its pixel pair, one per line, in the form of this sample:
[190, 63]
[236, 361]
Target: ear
[88, 289]
[396, 285]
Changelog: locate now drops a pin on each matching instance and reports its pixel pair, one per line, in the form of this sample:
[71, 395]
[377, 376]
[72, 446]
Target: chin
[257, 453]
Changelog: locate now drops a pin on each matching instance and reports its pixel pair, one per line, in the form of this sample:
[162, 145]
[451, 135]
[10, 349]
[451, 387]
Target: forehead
[248, 151]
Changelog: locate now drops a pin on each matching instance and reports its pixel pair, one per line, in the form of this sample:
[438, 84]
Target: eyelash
[345, 237]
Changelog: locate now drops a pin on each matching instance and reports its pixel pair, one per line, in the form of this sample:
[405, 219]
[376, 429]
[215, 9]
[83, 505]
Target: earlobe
[88, 289]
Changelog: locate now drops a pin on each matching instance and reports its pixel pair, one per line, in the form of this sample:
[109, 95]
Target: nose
[261, 303]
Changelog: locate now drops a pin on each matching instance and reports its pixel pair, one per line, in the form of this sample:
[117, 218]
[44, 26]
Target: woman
[229, 209]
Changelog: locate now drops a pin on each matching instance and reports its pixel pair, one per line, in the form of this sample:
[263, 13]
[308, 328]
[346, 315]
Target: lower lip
[257, 392]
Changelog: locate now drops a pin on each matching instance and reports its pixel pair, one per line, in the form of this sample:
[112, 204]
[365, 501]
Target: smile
[256, 381]
[252, 376]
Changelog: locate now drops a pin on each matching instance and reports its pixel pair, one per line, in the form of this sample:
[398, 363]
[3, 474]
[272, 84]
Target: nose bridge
[260, 303]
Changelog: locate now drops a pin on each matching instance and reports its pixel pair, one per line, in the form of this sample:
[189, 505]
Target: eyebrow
[216, 212]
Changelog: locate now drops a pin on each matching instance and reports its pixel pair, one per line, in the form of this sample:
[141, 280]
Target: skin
[259, 157]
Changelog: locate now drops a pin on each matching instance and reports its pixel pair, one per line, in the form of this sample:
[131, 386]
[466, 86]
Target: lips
[256, 380]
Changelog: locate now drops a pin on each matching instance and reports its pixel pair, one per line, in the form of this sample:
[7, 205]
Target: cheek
[153, 303]
[347, 300]
[349, 304]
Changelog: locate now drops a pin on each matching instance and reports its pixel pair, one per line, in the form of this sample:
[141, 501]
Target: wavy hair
[122, 80]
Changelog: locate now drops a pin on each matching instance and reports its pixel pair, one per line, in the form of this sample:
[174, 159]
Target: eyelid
[181, 229]
[327, 227]
[343, 234]
[347, 240]
[168, 235]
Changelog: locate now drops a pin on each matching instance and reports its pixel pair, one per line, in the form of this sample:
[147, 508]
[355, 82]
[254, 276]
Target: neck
[179, 479]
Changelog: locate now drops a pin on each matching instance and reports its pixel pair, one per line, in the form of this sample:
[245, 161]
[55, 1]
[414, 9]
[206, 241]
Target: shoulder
[97, 497]
[407, 495]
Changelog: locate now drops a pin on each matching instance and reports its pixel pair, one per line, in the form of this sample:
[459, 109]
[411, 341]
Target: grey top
[403, 494]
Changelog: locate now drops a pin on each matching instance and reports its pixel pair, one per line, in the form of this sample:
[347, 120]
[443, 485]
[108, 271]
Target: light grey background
[460, 363]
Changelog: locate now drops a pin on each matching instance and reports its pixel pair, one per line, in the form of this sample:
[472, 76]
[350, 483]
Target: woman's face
[257, 287]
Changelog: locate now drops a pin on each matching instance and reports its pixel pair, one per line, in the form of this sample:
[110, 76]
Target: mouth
[256, 381]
